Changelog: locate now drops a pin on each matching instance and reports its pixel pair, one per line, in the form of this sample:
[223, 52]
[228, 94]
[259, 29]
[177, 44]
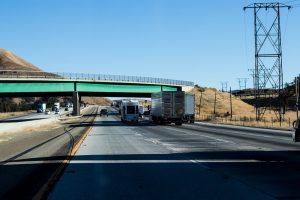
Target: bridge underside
[78, 89]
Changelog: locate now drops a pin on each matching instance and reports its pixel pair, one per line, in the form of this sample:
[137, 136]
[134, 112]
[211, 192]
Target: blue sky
[206, 42]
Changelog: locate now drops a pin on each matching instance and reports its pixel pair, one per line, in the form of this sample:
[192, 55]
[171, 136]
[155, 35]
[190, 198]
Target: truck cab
[296, 133]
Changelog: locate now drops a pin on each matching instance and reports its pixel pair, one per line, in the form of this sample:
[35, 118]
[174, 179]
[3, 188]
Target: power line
[291, 1]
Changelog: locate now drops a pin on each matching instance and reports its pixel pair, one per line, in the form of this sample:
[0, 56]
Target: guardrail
[92, 77]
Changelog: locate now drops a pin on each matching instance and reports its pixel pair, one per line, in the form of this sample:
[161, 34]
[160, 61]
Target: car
[47, 112]
[66, 109]
[103, 112]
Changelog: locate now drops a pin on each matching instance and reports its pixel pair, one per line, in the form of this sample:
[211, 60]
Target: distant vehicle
[56, 105]
[167, 107]
[189, 108]
[41, 107]
[67, 105]
[103, 112]
[129, 111]
[47, 112]
[66, 108]
[56, 111]
[296, 133]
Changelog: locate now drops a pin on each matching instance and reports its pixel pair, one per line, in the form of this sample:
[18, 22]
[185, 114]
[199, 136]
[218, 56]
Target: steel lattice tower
[268, 76]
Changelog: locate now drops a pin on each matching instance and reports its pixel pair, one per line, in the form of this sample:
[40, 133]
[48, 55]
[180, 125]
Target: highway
[201, 161]
[27, 157]
[35, 116]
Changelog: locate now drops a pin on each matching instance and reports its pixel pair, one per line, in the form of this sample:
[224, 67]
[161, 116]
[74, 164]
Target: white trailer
[41, 107]
[129, 111]
[167, 107]
[189, 108]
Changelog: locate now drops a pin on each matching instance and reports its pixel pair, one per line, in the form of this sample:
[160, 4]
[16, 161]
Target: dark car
[66, 109]
[103, 112]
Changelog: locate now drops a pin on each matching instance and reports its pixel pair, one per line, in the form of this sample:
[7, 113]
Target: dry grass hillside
[97, 100]
[9, 61]
[222, 103]
[240, 109]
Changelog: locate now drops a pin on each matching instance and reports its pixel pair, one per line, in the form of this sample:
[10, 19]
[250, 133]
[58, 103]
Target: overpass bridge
[37, 83]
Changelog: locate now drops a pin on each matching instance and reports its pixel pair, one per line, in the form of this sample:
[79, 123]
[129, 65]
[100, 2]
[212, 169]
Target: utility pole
[215, 102]
[200, 104]
[230, 105]
[268, 54]
[297, 94]
[242, 83]
[224, 86]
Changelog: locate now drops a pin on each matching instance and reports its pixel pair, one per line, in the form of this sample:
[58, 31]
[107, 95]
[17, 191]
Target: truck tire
[178, 123]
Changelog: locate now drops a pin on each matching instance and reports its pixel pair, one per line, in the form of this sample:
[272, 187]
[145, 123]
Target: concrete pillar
[76, 104]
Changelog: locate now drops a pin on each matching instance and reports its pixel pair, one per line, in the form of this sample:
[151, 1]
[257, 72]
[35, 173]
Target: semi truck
[129, 111]
[41, 107]
[168, 107]
[189, 108]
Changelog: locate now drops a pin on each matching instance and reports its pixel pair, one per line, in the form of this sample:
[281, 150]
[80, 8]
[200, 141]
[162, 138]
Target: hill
[9, 61]
[97, 100]
[222, 103]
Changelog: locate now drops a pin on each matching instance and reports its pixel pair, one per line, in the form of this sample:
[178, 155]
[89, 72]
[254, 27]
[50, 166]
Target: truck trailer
[41, 107]
[189, 108]
[129, 111]
[168, 107]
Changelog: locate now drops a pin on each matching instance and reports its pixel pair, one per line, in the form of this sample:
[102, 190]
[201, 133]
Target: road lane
[29, 158]
[126, 161]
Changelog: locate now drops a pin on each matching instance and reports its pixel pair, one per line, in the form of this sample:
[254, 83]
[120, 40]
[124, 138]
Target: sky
[207, 42]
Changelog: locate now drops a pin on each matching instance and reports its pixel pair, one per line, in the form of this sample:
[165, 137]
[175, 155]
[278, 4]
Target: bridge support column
[76, 104]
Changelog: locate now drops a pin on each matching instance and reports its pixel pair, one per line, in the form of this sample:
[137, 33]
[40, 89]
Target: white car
[56, 111]
[47, 112]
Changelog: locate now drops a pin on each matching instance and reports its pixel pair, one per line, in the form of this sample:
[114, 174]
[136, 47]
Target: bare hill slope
[9, 61]
[222, 105]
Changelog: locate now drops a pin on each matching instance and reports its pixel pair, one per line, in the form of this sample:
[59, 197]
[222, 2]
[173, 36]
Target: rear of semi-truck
[41, 107]
[189, 108]
[167, 107]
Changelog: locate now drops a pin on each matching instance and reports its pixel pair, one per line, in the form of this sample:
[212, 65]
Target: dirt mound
[9, 61]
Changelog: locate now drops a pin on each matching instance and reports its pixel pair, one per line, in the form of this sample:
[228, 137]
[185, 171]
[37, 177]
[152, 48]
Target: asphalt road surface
[201, 161]
[34, 116]
[29, 158]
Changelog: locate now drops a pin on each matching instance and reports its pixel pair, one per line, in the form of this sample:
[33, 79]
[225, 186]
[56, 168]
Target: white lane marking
[248, 134]
[146, 161]
[5, 140]
[206, 136]
[243, 127]
[216, 141]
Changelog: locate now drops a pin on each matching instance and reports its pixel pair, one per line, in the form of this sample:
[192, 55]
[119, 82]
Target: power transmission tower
[242, 83]
[268, 55]
[224, 86]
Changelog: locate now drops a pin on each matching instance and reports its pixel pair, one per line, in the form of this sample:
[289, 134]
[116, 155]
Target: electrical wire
[291, 1]
[285, 28]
